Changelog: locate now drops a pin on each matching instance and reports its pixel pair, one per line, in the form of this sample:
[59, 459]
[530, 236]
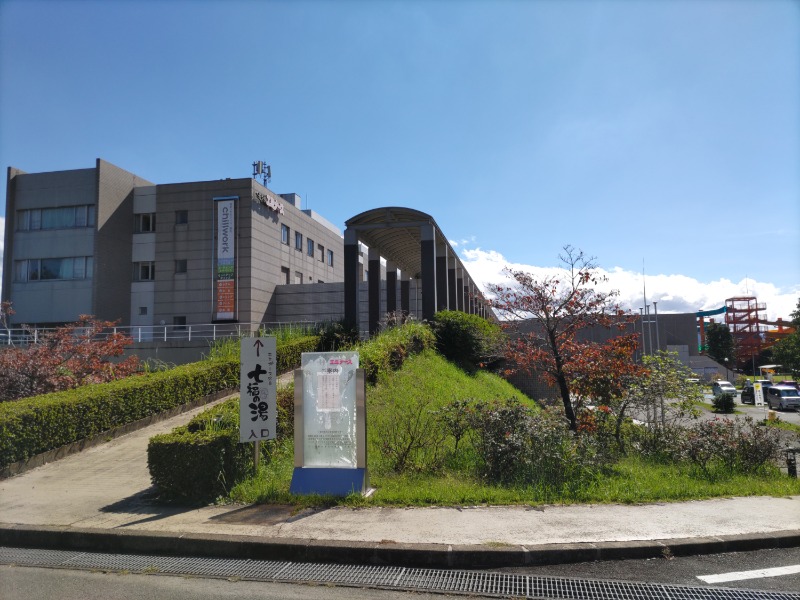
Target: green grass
[425, 383]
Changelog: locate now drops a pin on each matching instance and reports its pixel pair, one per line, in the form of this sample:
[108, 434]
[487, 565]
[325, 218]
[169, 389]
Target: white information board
[329, 409]
[758, 394]
[258, 408]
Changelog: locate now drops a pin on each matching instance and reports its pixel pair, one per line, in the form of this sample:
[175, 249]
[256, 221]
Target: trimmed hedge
[289, 352]
[34, 425]
[386, 352]
[467, 340]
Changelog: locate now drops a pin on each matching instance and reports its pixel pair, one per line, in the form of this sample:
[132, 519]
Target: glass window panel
[80, 216]
[58, 218]
[51, 268]
[21, 270]
[33, 270]
[36, 219]
[89, 267]
[92, 216]
[23, 220]
[79, 267]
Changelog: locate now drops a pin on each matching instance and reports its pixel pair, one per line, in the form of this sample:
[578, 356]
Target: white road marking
[756, 574]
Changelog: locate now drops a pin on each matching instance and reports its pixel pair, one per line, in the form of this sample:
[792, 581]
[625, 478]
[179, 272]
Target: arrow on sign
[258, 345]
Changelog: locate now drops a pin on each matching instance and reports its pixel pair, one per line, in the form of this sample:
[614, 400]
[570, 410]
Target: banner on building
[226, 259]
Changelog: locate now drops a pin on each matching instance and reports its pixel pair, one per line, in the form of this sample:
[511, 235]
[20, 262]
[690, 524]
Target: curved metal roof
[395, 232]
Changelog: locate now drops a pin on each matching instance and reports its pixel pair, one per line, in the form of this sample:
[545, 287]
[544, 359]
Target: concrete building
[106, 242]
[170, 257]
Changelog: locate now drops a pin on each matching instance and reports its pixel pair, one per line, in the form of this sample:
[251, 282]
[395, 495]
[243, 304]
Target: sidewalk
[99, 500]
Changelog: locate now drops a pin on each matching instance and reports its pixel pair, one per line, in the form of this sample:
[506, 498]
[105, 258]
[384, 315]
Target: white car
[723, 387]
[783, 397]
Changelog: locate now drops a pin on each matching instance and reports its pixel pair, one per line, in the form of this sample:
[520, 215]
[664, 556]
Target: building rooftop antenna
[260, 167]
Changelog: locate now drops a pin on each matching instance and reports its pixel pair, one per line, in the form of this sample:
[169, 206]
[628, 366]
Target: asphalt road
[686, 570]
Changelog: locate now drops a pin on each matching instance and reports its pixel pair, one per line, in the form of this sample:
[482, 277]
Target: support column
[374, 287]
[391, 287]
[428, 254]
[442, 257]
[452, 299]
[405, 296]
[471, 298]
[460, 289]
[351, 278]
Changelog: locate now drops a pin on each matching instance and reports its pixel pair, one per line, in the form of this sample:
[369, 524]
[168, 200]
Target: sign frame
[258, 389]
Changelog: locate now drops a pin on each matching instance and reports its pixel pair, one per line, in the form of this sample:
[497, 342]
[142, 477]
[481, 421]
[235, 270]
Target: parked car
[723, 387]
[749, 390]
[783, 397]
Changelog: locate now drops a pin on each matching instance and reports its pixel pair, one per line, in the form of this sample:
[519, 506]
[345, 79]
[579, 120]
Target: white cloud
[674, 293]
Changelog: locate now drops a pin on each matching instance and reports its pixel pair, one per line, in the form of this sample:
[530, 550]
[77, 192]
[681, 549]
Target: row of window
[146, 222]
[65, 217]
[298, 245]
[50, 269]
[286, 277]
[146, 270]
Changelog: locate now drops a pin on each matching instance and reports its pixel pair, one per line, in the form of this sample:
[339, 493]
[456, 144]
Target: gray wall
[48, 301]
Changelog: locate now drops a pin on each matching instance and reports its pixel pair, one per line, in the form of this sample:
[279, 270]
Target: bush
[723, 403]
[336, 336]
[289, 352]
[41, 423]
[387, 351]
[467, 340]
[730, 446]
[197, 466]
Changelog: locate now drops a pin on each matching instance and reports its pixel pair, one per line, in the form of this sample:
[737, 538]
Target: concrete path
[106, 490]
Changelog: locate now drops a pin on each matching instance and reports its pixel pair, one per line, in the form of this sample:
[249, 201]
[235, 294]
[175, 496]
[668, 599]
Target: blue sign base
[328, 482]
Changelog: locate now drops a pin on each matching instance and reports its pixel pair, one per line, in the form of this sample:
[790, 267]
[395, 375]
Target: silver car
[723, 387]
[783, 397]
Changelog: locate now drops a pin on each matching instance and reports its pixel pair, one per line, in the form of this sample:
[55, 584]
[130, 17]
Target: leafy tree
[67, 357]
[787, 351]
[558, 307]
[719, 343]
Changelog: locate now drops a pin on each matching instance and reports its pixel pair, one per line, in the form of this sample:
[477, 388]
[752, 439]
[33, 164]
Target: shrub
[387, 351]
[41, 423]
[197, 466]
[289, 352]
[410, 437]
[723, 403]
[468, 340]
[336, 335]
[502, 433]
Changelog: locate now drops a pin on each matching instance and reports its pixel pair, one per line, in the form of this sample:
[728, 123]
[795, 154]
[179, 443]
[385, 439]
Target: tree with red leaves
[548, 313]
[64, 358]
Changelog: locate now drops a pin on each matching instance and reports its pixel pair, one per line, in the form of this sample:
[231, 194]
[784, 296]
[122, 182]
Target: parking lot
[759, 412]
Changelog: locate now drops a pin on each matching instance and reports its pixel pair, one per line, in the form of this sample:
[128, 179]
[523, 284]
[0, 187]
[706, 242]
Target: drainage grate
[398, 578]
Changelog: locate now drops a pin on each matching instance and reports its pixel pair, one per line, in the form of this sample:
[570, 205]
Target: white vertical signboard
[329, 409]
[258, 408]
[758, 394]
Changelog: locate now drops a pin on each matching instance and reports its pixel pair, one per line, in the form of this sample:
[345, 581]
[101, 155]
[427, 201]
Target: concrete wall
[42, 302]
[115, 226]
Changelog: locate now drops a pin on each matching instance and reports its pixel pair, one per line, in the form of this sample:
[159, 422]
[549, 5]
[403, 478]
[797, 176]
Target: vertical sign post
[330, 436]
[258, 391]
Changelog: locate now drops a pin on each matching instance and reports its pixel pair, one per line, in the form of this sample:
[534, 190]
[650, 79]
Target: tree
[719, 343]
[67, 357]
[558, 307]
[787, 351]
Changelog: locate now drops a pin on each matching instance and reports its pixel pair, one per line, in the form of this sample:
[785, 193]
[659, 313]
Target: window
[144, 223]
[142, 310]
[298, 277]
[321, 251]
[284, 275]
[298, 241]
[179, 323]
[144, 271]
[65, 217]
[284, 234]
[180, 265]
[43, 269]
[330, 258]
[310, 247]
[181, 217]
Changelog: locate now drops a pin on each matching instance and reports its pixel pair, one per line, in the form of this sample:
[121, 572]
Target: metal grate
[397, 578]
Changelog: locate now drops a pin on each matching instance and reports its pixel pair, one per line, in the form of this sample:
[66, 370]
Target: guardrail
[24, 336]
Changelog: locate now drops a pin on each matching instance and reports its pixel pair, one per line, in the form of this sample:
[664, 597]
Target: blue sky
[663, 133]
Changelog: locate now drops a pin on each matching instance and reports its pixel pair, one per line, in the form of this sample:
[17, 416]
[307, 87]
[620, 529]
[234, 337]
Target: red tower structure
[741, 317]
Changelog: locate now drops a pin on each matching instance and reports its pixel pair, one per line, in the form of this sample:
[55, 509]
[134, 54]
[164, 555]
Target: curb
[372, 553]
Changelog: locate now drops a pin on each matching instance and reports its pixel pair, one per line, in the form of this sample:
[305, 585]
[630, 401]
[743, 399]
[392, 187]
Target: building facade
[105, 242]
